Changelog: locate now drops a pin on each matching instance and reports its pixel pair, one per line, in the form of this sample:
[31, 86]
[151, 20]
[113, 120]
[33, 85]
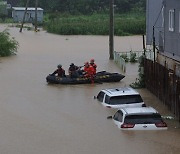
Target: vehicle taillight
[161, 124]
[127, 125]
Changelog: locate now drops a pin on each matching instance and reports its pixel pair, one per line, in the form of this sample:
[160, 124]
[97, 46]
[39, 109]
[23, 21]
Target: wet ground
[38, 118]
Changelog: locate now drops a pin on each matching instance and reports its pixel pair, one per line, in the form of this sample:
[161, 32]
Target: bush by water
[8, 45]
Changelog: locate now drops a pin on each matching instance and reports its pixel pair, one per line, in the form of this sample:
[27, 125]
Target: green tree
[86, 6]
[3, 10]
[8, 45]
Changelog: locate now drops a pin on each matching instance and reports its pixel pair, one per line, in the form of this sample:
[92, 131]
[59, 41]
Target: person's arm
[54, 73]
[69, 71]
[77, 68]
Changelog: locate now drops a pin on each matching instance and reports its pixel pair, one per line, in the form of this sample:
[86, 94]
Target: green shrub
[132, 57]
[140, 81]
[125, 57]
[6, 20]
[8, 46]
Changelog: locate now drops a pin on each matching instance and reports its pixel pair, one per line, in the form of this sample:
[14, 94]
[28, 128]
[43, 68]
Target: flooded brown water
[38, 118]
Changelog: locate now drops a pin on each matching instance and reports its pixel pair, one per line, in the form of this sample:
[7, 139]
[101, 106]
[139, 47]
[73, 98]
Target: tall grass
[6, 20]
[8, 45]
[96, 24]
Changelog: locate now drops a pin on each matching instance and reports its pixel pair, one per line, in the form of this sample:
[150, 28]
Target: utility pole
[36, 16]
[27, 3]
[111, 30]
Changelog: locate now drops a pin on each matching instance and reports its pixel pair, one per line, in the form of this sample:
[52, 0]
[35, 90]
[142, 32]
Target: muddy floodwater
[38, 118]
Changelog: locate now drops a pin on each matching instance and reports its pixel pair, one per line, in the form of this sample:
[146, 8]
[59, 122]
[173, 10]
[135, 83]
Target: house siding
[172, 38]
[154, 18]
[18, 15]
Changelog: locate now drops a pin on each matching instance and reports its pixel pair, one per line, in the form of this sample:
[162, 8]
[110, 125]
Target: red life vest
[89, 71]
[94, 66]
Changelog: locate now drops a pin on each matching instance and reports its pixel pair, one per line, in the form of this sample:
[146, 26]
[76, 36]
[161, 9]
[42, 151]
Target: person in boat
[89, 71]
[59, 71]
[92, 63]
[73, 71]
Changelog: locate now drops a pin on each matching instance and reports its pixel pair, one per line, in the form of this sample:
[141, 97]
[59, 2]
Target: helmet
[72, 64]
[86, 63]
[92, 60]
[59, 66]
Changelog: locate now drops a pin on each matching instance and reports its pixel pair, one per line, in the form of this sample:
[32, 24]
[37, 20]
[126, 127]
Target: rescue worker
[93, 65]
[73, 71]
[86, 67]
[89, 71]
[60, 71]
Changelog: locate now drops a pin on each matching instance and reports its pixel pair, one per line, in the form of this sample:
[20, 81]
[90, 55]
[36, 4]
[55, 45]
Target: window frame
[171, 20]
[124, 99]
[118, 116]
[100, 96]
[107, 98]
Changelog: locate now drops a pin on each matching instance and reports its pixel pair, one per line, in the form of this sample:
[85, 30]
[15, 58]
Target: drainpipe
[154, 50]
[154, 46]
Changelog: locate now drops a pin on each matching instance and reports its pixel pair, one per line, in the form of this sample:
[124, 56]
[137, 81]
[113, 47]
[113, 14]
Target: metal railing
[120, 61]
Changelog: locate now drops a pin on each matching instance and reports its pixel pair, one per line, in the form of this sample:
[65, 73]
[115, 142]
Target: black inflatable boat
[99, 78]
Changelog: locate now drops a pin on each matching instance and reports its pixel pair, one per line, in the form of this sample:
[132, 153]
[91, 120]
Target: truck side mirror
[109, 117]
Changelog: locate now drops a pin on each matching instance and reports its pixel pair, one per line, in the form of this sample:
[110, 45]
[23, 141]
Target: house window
[171, 20]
